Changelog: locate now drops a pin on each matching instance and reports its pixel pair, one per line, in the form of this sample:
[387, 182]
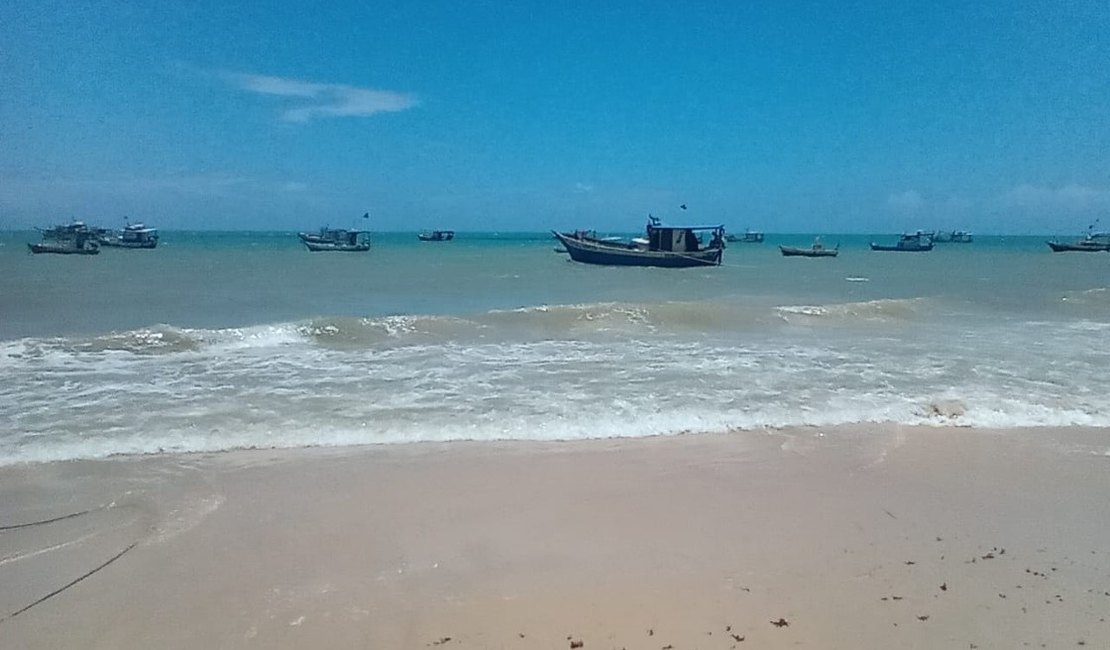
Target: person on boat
[717, 241]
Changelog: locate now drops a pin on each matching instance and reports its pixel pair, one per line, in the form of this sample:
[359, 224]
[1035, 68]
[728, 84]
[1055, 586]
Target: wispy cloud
[908, 201]
[1065, 197]
[583, 188]
[319, 100]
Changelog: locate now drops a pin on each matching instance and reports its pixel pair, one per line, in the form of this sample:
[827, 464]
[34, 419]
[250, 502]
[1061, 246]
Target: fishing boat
[134, 235]
[749, 237]
[816, 250]
[1093, 242]
[336, 239]
[917, 242]
[436, 235]
[70, 239]
[663, 246]
[952, 237]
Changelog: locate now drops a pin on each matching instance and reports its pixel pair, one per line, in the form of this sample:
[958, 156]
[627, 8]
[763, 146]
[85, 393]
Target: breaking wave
[574, 371]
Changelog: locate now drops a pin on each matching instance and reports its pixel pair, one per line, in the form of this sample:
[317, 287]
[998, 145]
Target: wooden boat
[664, 246]
[70, 239]
[1094, 242]
[952, 237]
[917, 242]
[134, 235]
[749, 237]
[437, 235]
[817, 250]
[63, 247]
[336, 239]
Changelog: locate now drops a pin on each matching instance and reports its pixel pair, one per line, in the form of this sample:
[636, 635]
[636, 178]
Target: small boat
[436, 235]
[62, 247]
[749, 237]
[663, 246]
[1096, 243]
[65, 231]
[71, 239]
[917, 242]
[952, 237]
[816, 250]
[336, 239]
[1092, 242]
[134, 235]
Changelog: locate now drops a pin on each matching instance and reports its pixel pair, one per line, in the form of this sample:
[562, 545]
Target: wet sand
[847, 537]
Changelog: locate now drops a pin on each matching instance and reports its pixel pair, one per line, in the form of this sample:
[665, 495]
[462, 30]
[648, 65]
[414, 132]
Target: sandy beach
[851, 537]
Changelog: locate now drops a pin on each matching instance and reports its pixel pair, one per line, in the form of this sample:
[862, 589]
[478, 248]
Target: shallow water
[226, 340]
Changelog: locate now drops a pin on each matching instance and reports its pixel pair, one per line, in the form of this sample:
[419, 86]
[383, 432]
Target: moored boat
[70, 239]
[1092, 242]
[336, 239]
[663, 246]
[917, 242]
[62, 247]
[436, 235]
[952, 237]
[816, 250]
[749, 237]
[1093, 245]
[134, 235]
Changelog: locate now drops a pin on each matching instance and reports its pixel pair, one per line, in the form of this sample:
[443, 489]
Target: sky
[846, 117]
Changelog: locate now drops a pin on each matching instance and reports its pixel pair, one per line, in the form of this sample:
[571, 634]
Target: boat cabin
[683, 239]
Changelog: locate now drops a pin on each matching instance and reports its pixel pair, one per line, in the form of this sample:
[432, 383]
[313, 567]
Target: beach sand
[874, 536]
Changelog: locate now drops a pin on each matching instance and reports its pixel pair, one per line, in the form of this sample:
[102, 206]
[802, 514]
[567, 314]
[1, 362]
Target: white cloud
[583, 188]
[1066, 197]
[327, 99]
[908, 201]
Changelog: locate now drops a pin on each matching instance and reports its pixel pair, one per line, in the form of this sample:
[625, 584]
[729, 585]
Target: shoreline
[847, 533]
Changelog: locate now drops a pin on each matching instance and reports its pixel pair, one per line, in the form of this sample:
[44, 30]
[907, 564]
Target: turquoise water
[224, 340]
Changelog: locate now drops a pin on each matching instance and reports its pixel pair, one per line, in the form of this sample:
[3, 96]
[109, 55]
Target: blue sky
[784, 117]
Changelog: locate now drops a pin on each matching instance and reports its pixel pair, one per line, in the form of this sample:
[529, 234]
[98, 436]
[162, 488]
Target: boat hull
[320, 247]
[611, 254]
[62, 250]
[788, 251]
[1082, 247]
[128, 244]
[915, 248]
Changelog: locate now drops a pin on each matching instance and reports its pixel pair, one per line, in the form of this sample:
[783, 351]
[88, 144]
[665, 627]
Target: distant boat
[134, 235]
[70, 239]
[436, 235]
[952, 237]
[1093, 242]
[336, 239]
[917, 242]
[88, 247]
[816, 250]
[663, 246]
[749, 237]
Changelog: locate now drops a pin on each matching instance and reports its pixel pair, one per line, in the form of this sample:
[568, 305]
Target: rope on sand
[68, 585]
[47, 521]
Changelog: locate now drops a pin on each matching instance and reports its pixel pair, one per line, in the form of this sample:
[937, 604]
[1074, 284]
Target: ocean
[217, 341]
